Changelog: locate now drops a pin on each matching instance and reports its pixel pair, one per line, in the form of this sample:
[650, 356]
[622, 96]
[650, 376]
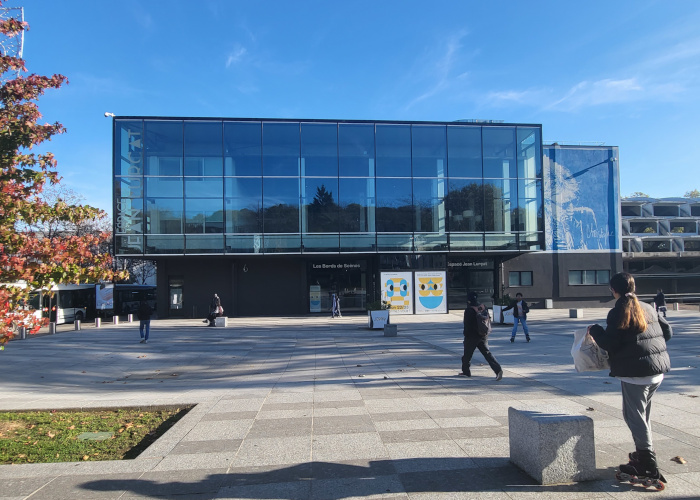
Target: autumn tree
[28, 259]
[692, 194]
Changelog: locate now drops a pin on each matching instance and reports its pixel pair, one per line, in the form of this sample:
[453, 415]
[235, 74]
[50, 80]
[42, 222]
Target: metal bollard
[115, 319]
[22, 333]
[676, 306]
[76, 325]
[52, 328]
[98, 322]
[130, 318]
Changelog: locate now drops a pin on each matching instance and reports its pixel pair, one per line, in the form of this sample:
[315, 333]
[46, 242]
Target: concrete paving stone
[196, 461]
[287, 397]
[460, 495]
[451, 413]
[296, 489]
[232, 415]
[467, 422]
[485, 447]
[351, 424]
[208, 446]
[333, 403]
[280, 427]
[335, 447]
[369, 394]
[336, 397]
[215, 430]
[281, 414]
[340, 411]
[22, 487]
[413, 435]
[400, 415]
[675, 488]
[459, 480]
[475, 432]
[375, 487]
[273, 451]
[391, 405]
[249, 475]
[574, 491]
[180, 482]
[403, 425]
[442, 403]
[424, 449]
[95, 486]
[362, 468]
[308, 405]
[236, 405]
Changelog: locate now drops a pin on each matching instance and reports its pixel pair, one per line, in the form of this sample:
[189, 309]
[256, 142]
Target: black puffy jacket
[635, 354]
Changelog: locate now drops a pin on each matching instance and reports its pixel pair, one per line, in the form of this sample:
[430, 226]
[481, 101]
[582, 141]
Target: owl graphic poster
[431, 296]
[397, 290]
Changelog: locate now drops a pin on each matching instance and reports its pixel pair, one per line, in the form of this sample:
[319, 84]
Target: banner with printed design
[430, 292]
[397, 290]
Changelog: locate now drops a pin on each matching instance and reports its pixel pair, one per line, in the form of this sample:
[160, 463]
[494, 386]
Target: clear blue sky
[622, 72]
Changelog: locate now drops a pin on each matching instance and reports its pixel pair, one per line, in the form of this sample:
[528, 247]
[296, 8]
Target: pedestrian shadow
[337, 481]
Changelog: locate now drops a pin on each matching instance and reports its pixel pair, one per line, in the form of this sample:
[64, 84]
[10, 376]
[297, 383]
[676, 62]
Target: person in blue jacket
[520, 310]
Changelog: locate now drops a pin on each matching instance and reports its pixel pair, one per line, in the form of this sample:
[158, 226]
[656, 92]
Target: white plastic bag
[588, 357]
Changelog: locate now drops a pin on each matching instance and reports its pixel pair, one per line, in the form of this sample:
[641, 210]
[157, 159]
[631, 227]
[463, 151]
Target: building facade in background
[661, 246]
[275, 216]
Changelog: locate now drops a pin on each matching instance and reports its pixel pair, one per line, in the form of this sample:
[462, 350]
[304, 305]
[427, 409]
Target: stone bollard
[115, 320]
[130, 318]
[390, 330]
[98, 322]
[22, 333]
[548, 304]
[76, 325]
[575, 313]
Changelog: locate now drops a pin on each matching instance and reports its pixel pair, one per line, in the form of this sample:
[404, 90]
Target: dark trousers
[471, 343]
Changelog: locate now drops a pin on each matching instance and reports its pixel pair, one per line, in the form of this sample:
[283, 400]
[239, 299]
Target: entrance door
[462, 281]
[176, 285]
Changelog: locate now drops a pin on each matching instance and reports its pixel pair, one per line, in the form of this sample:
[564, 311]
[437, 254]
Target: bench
[221, 321]
[552, 447]
[575, 313]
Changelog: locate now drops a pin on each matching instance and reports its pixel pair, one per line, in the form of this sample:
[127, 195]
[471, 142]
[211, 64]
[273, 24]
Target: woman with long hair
[635, 338]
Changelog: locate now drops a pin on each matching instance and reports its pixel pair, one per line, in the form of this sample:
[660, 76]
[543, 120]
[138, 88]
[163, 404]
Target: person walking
[144, 313]
[635, 338]
[476, 331]
[660, 302]
[520, 310]
[215, 310]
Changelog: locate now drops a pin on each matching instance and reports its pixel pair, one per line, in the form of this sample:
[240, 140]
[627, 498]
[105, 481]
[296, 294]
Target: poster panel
[315, 298]
[430, 292]
[104, 297]
[397, 290]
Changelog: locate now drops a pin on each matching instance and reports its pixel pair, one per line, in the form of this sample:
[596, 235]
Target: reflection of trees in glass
[466, 208]
[281, 218]
[398, 217]
[245, 220]
[322, 212]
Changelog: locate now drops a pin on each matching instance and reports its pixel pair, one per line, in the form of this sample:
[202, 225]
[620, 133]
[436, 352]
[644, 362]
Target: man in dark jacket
[144, 313]
[475, 340]
[660, 302]
[520, 310]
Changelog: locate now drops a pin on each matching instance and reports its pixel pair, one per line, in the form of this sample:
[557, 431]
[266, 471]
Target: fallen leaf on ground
[680, 460]
[590, 409]
[86, 457]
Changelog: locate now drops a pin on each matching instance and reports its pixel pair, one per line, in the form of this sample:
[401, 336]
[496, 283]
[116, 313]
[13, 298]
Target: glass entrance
[348, 280]
[462, 281]
[176, 285]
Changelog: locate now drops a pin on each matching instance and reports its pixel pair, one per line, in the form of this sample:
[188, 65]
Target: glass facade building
[292, 187]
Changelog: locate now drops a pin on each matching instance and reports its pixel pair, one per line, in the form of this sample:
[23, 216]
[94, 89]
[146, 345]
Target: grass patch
[52, 436]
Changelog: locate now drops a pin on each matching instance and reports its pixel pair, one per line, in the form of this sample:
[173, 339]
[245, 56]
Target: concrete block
[221, 321]
[548, 304]
[575, 313]
[390, 330]
[552, 447]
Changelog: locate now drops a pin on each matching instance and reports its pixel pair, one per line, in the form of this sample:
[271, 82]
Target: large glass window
[320, 205]
[500, 198]
[203, 187]
[204, 216]
[394, 205]
[529, 154]
[243, 204]
[164, 215]
[356, 200]
[203, 148]
[356, 150]
[393, 151]
[464, 151]
[162, 187]
[281, 206]
[319, 149]
[281, 149]
[429, 205]
[429, 150]
[465, 205]
[128, 147]
[529, 205]
[499, 152]
[163, 141]
[242, 148]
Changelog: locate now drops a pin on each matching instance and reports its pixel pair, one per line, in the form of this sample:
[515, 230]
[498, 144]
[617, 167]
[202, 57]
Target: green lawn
[53, 436]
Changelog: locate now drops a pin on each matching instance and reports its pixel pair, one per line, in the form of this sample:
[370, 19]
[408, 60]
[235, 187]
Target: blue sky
[622, 72]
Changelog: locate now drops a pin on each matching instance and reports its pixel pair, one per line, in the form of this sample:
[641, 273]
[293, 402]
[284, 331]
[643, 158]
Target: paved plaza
[321, 408]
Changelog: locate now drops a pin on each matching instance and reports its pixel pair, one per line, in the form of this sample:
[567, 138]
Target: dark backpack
[483, 322]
